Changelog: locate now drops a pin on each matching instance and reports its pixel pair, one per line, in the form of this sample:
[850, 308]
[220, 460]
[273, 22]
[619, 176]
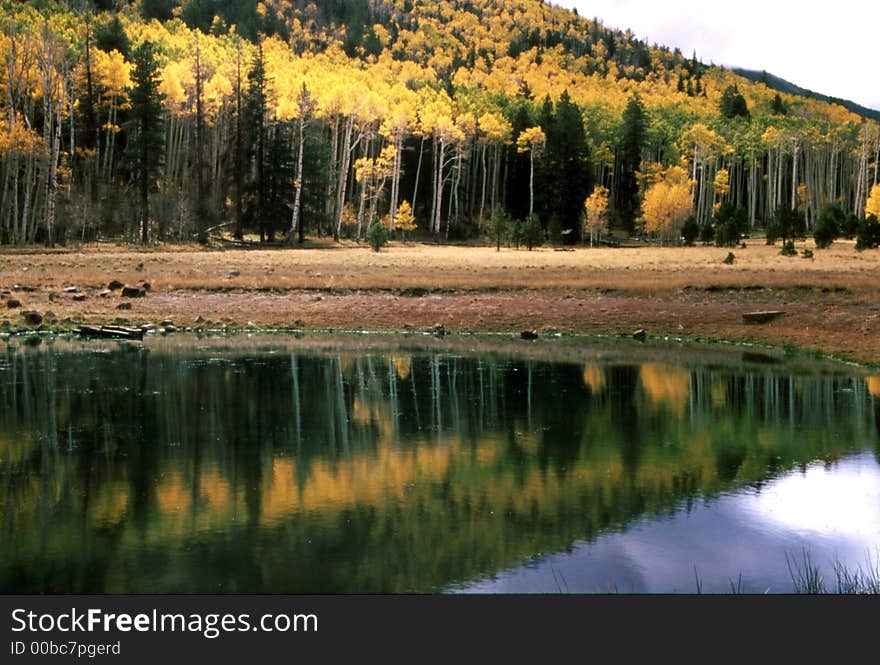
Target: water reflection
[138, 470]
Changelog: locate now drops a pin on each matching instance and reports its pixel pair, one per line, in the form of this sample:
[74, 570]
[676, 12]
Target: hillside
[166, 120]
[780, 84]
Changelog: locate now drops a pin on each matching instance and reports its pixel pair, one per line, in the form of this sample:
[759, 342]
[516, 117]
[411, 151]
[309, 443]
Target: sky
[830, 48]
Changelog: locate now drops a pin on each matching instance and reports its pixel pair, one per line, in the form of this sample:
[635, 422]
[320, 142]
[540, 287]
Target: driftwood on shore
[111, 332]
[762, 317]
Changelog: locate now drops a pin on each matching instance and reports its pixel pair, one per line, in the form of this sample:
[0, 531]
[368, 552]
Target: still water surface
[184, 469]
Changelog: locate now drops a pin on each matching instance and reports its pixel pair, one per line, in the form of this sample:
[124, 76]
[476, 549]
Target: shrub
[868, 234]
[729, 223]
[707, 234]
[788, 248]
[532, 232]
[850, 226]
[786, 224]
[377, 235]
[690, 230]
[731, 257]
[498, 224]
[828, 225]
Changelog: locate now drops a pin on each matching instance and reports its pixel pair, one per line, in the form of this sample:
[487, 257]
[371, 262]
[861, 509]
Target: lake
[275, 464]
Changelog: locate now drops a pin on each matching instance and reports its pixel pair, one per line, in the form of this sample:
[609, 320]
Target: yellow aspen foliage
[722, 182]
[405, 220]
[872, 206]
[531, 140]
[596, 209]
[667, 204]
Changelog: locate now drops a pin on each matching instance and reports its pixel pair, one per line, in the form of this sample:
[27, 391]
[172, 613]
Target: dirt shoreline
[830, 302]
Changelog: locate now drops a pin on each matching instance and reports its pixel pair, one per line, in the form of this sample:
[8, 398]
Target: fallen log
[762, 317]
[111, 332]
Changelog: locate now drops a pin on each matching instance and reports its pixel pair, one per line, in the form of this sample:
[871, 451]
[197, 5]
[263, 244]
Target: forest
[507, 121]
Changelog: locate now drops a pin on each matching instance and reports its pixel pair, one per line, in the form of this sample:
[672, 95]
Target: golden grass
[401, 266]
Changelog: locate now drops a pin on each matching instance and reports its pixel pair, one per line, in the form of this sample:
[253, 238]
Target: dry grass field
[830, 300]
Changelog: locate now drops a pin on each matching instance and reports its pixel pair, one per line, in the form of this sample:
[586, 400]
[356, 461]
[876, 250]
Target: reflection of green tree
[135, 472]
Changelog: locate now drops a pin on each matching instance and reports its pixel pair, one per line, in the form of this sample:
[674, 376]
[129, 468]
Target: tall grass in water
[807, 578]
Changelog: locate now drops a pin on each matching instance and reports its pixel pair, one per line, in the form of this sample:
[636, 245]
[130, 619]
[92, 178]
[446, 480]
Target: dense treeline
[166, 120]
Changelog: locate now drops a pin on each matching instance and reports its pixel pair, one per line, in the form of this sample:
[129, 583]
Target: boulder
[79, 297]
[529, 334]
[33, 317]
[115, 285]
[133, 292]
[13, 302]
[762, 317]
[640, 335]
[124, 305]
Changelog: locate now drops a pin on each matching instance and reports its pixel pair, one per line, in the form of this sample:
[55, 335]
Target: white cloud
[829, 48]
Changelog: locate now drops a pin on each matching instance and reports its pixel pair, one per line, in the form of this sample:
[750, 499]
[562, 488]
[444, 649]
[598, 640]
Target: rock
[115, 285]
[200, 319]
[133, 292]
[79, 297]
[49, 317]
[27, 289]
[105, 293]
[299, 323]
[170, 329]
[70, 289]
[166, 322]
[234, 273]
[53, 296]
[13, 302]
[32, 316]
[529, 334]
[147, 327]
[640, 335]
[438, 330]
[762, 317]
[111, 332]
[146, 286]
[124, 305]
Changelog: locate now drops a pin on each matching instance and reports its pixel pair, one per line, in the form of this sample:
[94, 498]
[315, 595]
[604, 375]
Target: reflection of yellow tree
[402, 365]
[593, 377]
[873, 383]
[665, 384]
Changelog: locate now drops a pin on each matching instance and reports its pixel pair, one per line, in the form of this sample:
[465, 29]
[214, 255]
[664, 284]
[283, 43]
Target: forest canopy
[166, 120]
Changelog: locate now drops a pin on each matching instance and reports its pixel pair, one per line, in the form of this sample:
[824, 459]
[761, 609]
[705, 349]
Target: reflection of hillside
[370, 473]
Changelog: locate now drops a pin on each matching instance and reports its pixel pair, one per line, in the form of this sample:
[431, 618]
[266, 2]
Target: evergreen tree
[255, 122]
[629, 150]
[778, 107]
[733, 104]
[565, 176]
[111, 37]
[146, 132]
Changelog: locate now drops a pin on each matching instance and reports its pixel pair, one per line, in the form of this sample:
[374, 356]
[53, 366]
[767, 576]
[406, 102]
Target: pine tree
[254, 112]
[630, 156]
[146, 135]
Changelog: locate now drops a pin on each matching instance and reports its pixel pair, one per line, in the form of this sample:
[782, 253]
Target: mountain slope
[781, 85]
